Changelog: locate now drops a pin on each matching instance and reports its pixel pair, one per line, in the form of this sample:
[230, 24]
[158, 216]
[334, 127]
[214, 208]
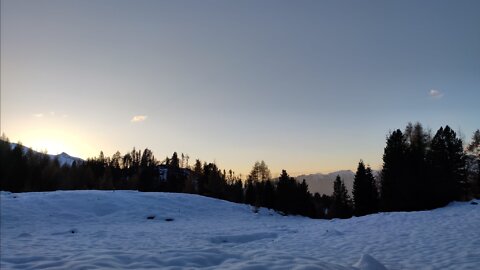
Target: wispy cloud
[139, 118]
[50, 114]
[433, 93]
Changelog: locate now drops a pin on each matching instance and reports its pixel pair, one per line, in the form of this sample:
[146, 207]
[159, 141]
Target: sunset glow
[313, 87]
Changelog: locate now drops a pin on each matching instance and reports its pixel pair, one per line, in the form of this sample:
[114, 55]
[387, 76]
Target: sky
[307, 86]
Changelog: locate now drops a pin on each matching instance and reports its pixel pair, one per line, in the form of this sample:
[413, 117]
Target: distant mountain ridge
[63, 158]
[323, 183]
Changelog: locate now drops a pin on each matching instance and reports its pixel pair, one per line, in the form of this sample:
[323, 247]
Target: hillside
[134, 230]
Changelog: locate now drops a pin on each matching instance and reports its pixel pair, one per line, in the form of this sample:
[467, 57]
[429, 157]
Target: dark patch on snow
[169, 219]
[71, 231]
[23, 235]
[474, 203]
[151, 217]
[242, 238]
[332, 232]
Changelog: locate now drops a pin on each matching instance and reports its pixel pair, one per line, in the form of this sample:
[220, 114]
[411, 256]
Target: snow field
[134, 230]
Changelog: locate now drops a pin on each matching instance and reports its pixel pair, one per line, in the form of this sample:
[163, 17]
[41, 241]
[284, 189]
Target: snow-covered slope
[133, 230]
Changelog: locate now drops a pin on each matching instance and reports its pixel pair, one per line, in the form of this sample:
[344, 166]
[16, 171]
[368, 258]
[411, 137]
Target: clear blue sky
[307, 86]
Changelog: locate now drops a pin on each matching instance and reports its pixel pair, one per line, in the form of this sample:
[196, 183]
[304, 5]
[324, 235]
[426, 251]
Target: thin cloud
[139, 118]
[433, 93]
[50, 114]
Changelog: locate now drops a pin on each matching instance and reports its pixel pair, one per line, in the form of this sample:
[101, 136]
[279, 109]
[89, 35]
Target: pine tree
[415, 186]
[268, 195]
[234, 191]
[447, 167]
[365, 194]
[148, 178]
[393, 173]
[360, 190]
[341, 204]
[373, 191]
[250, 195]
[197, 168]
[214, 180]
[306, 206]
[285, 189]
[174, 161]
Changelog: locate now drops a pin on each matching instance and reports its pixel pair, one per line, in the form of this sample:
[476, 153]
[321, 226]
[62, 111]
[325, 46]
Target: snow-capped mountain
[63, 158]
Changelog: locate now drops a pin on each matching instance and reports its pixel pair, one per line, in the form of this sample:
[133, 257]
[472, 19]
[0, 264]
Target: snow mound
[367, 262]
[111, 229]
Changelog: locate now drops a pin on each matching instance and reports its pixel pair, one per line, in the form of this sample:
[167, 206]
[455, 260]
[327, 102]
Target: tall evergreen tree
[174, 161]
[360, 191]
[250, 195]
[215, 181]
[447, 167]
[365, 195]
[341, 203]
[197, 168]
[148, 179]
[305, 203]
[374, 199]
[268, 196]
[415, 186]
[393, 172]
[285, 188]
[235, 191]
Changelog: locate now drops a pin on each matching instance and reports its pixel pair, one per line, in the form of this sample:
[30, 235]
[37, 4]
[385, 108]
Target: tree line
[419, 172]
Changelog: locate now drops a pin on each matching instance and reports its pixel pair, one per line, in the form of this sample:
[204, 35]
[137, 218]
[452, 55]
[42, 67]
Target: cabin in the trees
[183, 178]
[165, 171]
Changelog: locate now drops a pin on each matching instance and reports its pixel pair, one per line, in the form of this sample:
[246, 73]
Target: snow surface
[134, 230]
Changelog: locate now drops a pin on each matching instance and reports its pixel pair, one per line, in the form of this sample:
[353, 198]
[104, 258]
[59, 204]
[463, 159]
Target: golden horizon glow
[54, 141]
